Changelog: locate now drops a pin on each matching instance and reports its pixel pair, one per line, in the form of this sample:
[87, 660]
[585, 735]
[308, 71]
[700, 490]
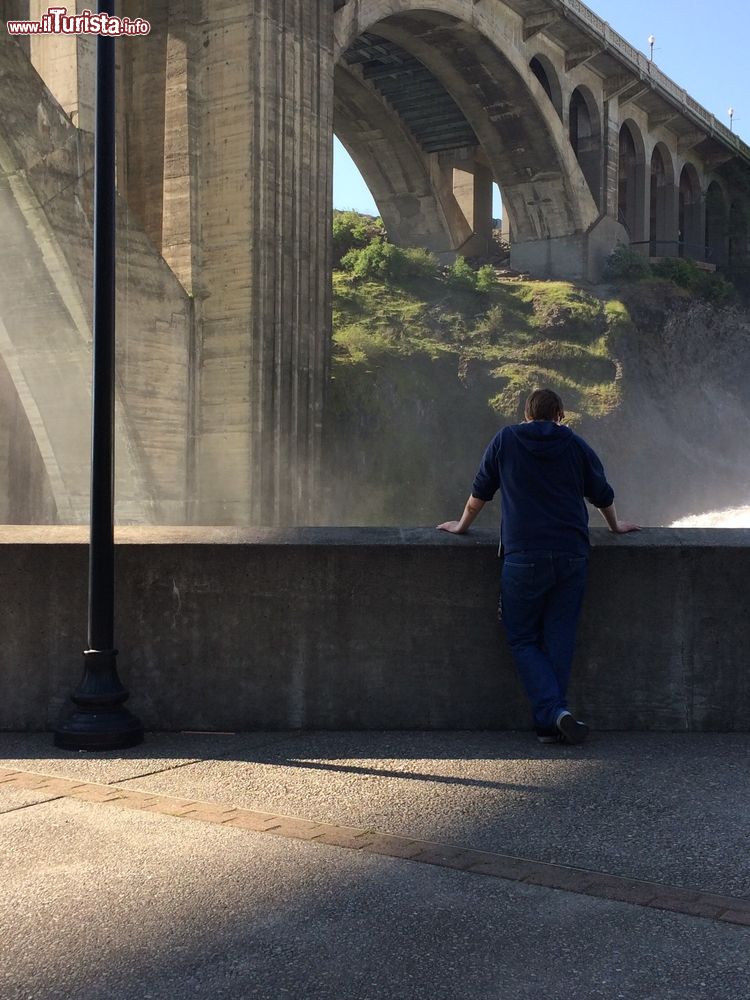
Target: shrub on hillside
[486, 278]
[462, 276]
[352, 230]
[626, 264]
[383, 261]
[686, 273]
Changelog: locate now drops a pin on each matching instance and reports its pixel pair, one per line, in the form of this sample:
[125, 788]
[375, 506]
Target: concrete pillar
[483, 201]
[264, 175]
[672, 219]
[143, 102]
[66, 63]
[17, 10]
[463, 191]
[638, 206]
[179, 228]
[472, 189]
[610, 157]
[663, 204]
[692, 224]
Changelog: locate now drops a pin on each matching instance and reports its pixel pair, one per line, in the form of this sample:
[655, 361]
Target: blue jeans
[542, 594]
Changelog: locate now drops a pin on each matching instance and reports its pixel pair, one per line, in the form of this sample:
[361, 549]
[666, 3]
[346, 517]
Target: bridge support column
[264, 174]
[179, 236]
[472, 189]
[692, 226]
[610, 158]
[65, 63]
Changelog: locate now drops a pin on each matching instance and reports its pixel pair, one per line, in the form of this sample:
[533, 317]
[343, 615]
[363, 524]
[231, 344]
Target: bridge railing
[647, 70]
[676, 248]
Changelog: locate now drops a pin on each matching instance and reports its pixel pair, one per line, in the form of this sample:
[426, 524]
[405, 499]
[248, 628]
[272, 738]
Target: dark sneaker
[548, 734]
[571, 730]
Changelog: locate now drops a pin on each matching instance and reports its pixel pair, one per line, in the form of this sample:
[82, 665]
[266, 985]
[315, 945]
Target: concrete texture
[46, 206]
[100, 903]
[372, 628]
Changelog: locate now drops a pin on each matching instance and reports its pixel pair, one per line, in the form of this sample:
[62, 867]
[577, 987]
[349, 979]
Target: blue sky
[702, 46]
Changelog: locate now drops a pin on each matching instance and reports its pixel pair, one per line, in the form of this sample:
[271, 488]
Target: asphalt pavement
[207, 865]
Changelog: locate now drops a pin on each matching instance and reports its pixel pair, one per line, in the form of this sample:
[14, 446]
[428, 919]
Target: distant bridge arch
[511, 125]
[691, 213]
[585, 131]
[717, 222]
[543, 69]
[662, 205]
[631, 181]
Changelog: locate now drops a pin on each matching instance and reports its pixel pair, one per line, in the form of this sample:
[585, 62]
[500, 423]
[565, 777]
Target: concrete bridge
[224, 171]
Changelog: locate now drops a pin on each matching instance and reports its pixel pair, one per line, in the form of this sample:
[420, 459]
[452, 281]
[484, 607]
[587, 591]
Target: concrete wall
[46, 206]
[223, 628]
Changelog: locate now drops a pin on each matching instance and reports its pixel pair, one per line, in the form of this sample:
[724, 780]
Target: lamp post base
[99, 721]
[117, 729]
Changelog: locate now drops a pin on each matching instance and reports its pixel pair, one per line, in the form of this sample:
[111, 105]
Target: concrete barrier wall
[234, 629]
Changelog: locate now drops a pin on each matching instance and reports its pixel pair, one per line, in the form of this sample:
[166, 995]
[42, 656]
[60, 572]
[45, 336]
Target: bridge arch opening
[414, 197]
[504, 123]
[544, 71]
[717, 225]
[739, 231]
[584, 129]
[631, 182]
[662, 223]
[690, 214]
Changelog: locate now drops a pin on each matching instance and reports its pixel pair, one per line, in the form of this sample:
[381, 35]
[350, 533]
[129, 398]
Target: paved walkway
[368, 865]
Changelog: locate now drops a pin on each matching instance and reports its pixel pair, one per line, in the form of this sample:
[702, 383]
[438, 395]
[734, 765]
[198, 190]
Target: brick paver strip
[691, 902]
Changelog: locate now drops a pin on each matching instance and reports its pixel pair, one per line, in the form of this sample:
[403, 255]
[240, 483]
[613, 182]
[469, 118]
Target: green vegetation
[351, 231]
[383, 261]
[626, 264]
[429, 361]
[391, 304]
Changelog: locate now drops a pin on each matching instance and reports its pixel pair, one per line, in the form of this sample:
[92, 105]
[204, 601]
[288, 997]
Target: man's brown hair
[544, 404]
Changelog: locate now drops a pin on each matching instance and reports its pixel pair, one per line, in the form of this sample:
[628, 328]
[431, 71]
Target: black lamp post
[100, 720]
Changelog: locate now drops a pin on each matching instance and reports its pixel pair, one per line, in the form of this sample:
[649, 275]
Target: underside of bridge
[432, 92]
[226, 120]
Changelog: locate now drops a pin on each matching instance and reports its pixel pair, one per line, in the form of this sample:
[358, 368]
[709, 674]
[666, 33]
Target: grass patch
[520, 334]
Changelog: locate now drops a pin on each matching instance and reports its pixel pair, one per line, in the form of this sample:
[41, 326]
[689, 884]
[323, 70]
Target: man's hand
[472, 508]
[454, 527]
[615, 526]
[623, 527]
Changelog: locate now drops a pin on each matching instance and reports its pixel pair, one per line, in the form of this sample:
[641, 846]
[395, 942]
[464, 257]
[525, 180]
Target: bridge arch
[585, 131]
[515, 123]
[739, 233]
[542, 68]
[662, 221]
[415, 199]
[690, 214]
[717, 224]
[631, 181]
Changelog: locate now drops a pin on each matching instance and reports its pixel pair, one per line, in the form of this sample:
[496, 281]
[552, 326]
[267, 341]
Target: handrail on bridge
[703, 254]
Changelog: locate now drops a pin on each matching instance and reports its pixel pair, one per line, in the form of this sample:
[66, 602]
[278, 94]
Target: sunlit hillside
[429, 361]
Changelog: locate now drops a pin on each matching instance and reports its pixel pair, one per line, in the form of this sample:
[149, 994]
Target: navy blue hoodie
[543, 471]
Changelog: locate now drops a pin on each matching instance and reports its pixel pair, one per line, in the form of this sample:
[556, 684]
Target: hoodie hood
[543, 438]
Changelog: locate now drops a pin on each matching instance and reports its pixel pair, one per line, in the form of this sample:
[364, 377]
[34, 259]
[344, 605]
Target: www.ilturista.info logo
[57, 21]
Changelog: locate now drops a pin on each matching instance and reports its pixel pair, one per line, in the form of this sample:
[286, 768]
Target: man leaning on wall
[544, 473]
